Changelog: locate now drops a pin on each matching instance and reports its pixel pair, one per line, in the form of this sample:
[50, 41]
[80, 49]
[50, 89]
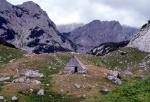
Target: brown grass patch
[91, 83]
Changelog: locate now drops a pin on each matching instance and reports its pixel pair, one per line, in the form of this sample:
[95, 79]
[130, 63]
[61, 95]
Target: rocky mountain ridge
[142, 38]
[98, 32]
[28, 27]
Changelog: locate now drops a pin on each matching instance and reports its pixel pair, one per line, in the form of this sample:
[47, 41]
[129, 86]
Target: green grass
[7, 54]
[131, 59]
[138, 91]
[50, 64]
[49, 96]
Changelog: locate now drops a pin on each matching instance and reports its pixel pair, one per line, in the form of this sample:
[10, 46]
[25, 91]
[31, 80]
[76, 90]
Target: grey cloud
[129, 12]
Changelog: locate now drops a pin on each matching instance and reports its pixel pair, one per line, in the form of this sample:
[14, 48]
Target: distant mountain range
[97, 32]
[68, 27]
[142, 39]
[28, 27]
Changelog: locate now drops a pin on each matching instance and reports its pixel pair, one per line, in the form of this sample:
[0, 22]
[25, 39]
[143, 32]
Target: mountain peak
[30, 5]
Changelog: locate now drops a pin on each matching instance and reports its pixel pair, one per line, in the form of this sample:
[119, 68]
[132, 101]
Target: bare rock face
[98, 32]
[142, 38]
[108, 47]
[28, 27]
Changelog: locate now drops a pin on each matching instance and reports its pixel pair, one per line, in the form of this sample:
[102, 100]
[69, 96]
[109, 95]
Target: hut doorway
[76, 69]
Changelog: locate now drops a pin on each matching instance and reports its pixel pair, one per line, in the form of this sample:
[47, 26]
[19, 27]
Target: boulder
[118, 81]
[77, 86]
[33, 74]
[115, 74]
[14, 98]
[1, 98]
[110, 77]
[36, 82]
[21, 80]
[4, 78]
[41, 92]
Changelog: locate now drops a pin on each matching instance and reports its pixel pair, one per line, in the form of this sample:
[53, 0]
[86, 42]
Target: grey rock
[31, 90]
[108, 47]
[41, 92]
[141, 39]
[31, 73]
[115, 73]
[29, 28]
[105, 90]
[20, 80]
[114, 76]
[1, 98]
[4, 78]
[36, 82]
[14, 98]
[118, 81]
[77, 86]
[110, 77]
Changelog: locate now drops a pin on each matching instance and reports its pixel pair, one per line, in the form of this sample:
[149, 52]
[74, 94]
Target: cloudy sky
[128, 12]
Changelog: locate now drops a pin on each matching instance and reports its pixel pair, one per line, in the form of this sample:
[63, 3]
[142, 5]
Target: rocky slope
[108, 47]
[69, 27]
[98, 32]
[28, 27]
[142, 38]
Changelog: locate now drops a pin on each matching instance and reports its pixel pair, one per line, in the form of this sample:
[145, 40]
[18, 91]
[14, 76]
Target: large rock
[41, 92]
[118, 81]
[31, 73]
[14, 98]
[77, 86]
[21, 80]
[1, 98]
[4, 78]
[115, 77]
[28, 27]
[36, 82]
[141, 39]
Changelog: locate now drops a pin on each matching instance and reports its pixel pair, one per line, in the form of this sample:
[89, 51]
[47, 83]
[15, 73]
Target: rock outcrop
[28, 27]
[142, 38]
[108, 47]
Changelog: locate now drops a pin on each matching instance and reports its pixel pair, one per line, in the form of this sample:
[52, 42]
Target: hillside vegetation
[138, 91]
[61, 88]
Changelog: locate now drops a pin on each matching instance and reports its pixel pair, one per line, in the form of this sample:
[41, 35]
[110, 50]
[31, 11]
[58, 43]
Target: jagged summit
[98, 32]
[28, 27]
[142, 38]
